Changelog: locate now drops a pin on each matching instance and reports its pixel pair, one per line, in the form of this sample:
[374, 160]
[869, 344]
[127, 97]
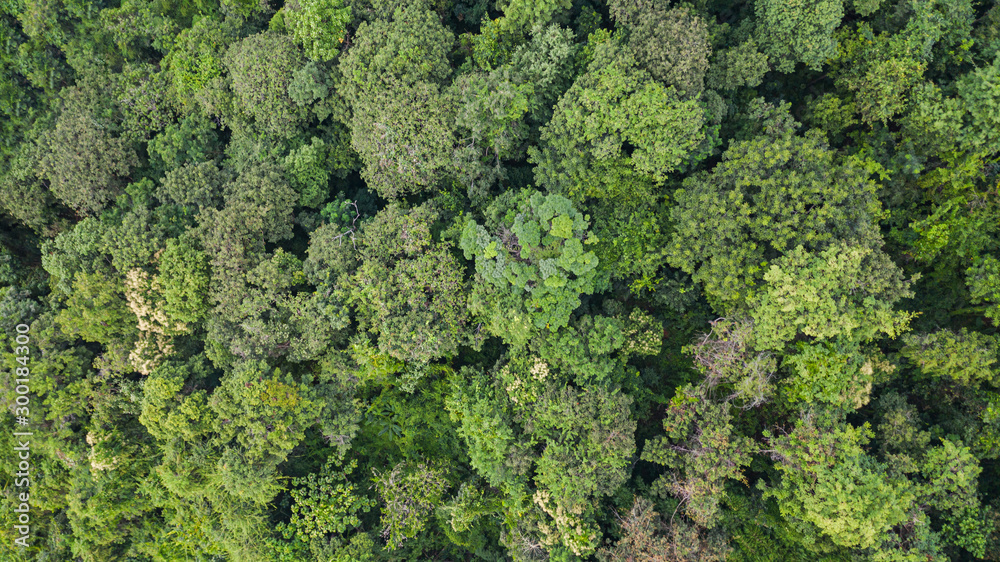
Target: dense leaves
[525, 280]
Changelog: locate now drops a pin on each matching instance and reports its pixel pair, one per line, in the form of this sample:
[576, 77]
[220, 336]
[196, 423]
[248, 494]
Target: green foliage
[727, 358]
[880, 71]
[767, 196]
[838, 374]
[493, 46]
[318, 25]
[27, 199]
[184, 279]
[525, 14]
[404, 136]
[792, 32]
[646, 535]
[585, 439]
[481, 410]
[589, 441]
[984, 286]
[409, 287]
[308, 172]
[196, 186]
[964, 357]
[410, 47]
[263, 410]
[701, 452]
[582, 351]
[408, 495]
[264, 316]
[82, 161]
[583, 147]
[742, 65]
[143, 96]
[498, 112]
[538, 258]
[832, 490]
[261, 68]
[844, 291]
[192, 140]
[308, 84]
[96, 311]
[325, 503]
[672, 45]
[232, 279]
[402, 125]
[195, 60]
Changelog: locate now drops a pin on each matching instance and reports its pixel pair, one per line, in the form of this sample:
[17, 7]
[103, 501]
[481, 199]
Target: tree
[308, 172]
[197, 186]
[832, 491]
[97, 311]
[144, 98]
[951, 473]
[841, 374]
[523, 14]
[702, 451]
[135, 229]
[769, 194]
[500, 111]
[404, 136]
[193, 140]
[325, 503]
[184, 278]
[983, 280]
[266, 314]
[672, 45]
[318, 25]
[965, 357]
[483, 412]
[261, 68]
[844, 291]
[577, 442]
[196, 59]
[82, 161]
[588, 439]
[402, 126]
[534, 267]
[175, 402]
[646, 535]
[614, 103]
[27, 198]
[258, 210]
[409, 494]
[740, 65]
[551, 271]
[592, 350]
[411, 46]
[265, 411]
[798, 32]
[726, 356]
[409, 287]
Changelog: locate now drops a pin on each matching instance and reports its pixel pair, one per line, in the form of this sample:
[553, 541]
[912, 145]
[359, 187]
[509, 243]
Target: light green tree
[843, 292]
[533, 269]
[318, 25]
[964, 357]
[831, 490]
[613, 104]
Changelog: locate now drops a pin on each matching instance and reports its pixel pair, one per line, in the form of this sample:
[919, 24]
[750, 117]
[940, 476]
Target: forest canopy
[525, 280]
